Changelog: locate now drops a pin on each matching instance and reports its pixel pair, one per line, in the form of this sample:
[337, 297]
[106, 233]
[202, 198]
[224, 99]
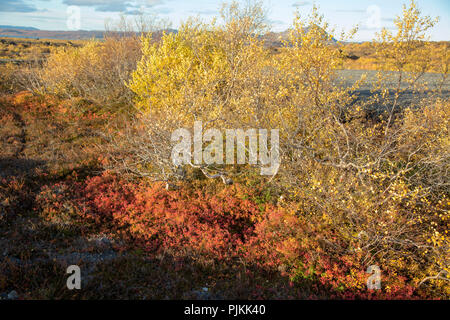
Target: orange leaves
[224, 227]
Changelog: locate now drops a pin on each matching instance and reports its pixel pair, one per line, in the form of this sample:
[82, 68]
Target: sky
[370, 15]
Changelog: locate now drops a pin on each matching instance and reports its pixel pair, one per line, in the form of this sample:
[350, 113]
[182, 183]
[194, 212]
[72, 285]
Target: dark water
[409, 97]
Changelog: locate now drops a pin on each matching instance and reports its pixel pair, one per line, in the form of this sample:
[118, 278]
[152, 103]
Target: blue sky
[343, 14]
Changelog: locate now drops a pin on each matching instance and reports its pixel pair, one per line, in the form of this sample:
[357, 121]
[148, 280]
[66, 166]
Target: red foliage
[223, 227]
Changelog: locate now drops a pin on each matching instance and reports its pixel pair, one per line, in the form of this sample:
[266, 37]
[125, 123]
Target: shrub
[363, 180]
[226, 228]
[96, 71]
[8, 78]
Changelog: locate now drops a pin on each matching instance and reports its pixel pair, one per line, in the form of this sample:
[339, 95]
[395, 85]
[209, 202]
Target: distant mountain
[46, 34]
[34, 33]
[17, 27]
[272, 39]
[275, 39]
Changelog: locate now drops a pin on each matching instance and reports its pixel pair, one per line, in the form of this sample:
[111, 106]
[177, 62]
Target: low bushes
[355, 188]
[97, 71]
[227, 228]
